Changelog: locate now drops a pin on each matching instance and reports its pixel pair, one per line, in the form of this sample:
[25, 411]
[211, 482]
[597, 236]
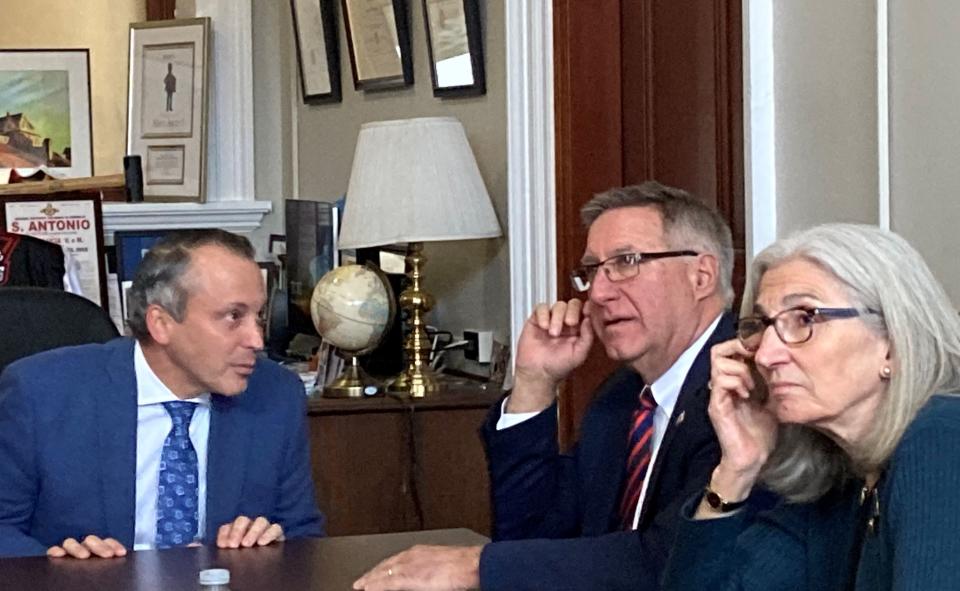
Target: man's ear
[159, 324]
[704, 275]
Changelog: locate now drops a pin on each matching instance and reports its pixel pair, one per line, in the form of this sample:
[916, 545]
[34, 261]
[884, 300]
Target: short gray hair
[882, 272]
[159, 278]
[688, 222]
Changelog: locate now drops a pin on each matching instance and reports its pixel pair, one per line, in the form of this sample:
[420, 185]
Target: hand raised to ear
[554, 341]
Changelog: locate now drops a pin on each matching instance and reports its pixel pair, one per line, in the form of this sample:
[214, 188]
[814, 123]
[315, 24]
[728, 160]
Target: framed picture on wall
[167, 106]
[45, 112]
[318, 50]
[378, 36]
[455, 44]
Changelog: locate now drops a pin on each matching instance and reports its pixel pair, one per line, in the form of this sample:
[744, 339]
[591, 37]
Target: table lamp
[413, 181]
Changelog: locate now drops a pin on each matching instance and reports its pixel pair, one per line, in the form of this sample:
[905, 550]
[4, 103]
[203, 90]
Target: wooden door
[644, 89]
[158, 10]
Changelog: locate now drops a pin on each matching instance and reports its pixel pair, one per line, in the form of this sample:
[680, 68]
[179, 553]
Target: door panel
[644, 89]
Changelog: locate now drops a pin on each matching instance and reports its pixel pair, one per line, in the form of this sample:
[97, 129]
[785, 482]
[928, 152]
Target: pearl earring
[885, 372]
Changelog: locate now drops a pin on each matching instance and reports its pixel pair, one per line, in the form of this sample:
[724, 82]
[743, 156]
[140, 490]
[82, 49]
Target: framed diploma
[456, 49]
[318, 50]
[378, 35]
[167, 105]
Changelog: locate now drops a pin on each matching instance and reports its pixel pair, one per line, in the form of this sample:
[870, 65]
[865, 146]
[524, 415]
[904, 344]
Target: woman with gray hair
[838, 396]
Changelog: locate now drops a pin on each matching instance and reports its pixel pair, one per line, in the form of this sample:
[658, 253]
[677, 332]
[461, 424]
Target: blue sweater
[915, 543]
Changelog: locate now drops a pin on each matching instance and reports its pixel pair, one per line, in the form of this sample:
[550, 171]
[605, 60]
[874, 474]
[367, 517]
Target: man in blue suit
[179, 436]
[657, 271]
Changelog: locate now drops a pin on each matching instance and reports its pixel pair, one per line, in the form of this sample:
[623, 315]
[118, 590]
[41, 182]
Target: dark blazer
[570, 501]
[827, 544]
[68, 434]
[26, 260]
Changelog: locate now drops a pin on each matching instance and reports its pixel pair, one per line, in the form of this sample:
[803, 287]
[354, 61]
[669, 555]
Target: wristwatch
[718, 504]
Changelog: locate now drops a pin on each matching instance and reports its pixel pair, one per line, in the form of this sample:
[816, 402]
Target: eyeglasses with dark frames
[620, 267]
[793, 325]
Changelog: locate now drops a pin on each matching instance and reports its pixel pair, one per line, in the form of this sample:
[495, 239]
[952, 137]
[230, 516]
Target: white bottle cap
[214, 576]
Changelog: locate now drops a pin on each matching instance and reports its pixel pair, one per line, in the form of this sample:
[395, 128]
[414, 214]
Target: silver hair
[688, 222]
[161, 276]
[882, 272]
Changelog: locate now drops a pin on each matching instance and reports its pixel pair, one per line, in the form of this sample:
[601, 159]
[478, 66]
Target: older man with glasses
[656, 273]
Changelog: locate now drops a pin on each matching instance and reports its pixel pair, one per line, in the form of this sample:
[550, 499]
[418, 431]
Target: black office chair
[34, 319]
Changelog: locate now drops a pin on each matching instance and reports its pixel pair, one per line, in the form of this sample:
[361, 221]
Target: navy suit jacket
[68, 437]
[556, 519]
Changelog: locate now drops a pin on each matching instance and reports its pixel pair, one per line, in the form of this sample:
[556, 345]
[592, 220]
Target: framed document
[166, 106]
[318, 50]
[73, 221]
[165, 165]
[455, 43]
[45, 111]
[378, 35]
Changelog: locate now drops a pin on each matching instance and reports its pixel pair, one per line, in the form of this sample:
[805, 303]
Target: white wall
[825, 88]
[925, 132]
[830, 157]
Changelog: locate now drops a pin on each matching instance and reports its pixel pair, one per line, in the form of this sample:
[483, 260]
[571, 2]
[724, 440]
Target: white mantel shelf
[235, 216]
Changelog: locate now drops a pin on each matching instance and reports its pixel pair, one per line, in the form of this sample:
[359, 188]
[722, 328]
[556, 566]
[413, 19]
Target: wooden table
[395, 464]
[329, 564]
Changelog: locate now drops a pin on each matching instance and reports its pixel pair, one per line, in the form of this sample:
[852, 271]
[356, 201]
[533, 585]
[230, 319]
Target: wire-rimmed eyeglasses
[793, 325]
[620, 267]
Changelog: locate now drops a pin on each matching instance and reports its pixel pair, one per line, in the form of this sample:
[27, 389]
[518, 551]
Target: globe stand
[352, 383]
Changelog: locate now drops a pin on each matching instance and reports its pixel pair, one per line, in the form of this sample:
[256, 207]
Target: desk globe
[352, 308]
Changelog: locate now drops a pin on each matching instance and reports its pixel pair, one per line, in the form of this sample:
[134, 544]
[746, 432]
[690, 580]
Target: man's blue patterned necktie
[177, 511]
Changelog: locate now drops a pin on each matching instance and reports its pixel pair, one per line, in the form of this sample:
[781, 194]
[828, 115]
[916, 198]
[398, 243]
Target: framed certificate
[166, 106]
[72, 220]
[455, 45]
[318, 50]
[378, 34]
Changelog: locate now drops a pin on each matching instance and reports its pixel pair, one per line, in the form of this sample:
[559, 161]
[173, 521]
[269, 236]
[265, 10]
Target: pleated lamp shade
[415, 180]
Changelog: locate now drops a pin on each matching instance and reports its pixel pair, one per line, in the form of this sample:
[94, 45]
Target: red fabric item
[639, 450]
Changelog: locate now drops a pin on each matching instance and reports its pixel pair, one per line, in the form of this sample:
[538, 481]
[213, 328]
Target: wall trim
[883, 113]
[235, 216]
[530, 158]
[230, 152]
[759, 122]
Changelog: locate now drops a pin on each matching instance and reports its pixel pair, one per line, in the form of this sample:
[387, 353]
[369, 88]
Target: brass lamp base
[418, 379]
[352, 383]
[417, 384]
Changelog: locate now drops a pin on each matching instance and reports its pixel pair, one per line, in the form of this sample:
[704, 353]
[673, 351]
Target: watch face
[714, 500]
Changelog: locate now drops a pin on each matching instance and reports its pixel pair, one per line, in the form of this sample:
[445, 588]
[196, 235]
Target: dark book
[311, 253]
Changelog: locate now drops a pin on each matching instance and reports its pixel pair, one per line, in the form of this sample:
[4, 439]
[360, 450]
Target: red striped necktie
[640, 448]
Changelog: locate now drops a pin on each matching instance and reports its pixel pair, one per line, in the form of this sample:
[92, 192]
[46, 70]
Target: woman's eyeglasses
[793, 325]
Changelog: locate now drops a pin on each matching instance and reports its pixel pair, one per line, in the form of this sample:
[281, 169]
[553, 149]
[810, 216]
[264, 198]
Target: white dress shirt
[153, 426]
[665, 390]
